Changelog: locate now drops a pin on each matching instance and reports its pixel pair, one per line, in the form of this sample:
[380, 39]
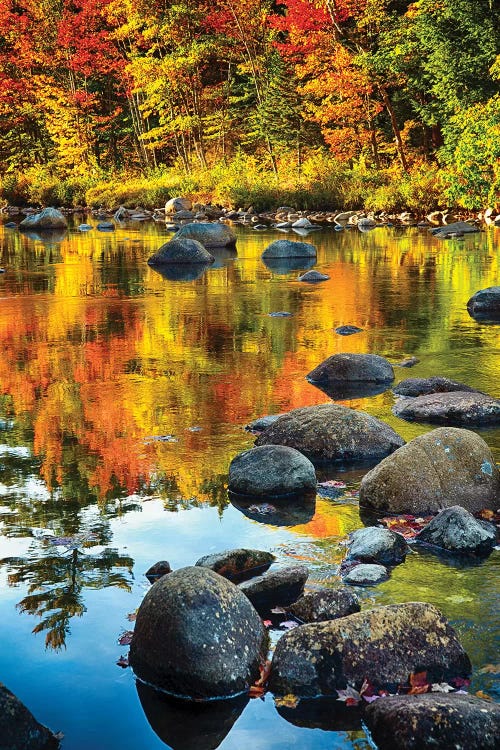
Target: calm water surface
[101, 355]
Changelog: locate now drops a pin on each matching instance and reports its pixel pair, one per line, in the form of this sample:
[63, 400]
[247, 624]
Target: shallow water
[102, 355]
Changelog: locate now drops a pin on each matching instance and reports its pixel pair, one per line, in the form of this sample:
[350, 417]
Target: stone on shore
[174, 205]
[46, 220]
[459, 408]
[197, 636]
[278, 587]
[271, 470]
[210, 235]
[485, 304]
[327, 604]
[376, 545]
[19, 730]
[423, 386]
[456, 530]
[383, 645]
[237, 564]
[350, 368]
[289, 249]
[332, 433]
[181, 251]
[447, 466]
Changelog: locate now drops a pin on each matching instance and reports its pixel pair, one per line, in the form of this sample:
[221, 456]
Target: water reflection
[291, 511]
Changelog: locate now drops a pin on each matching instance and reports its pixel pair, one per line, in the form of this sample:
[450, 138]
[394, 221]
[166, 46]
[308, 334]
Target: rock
[262, 423]
[302, 224]
[383, 645]
[19, 730]
[289, 249]
[183, 216]
[366, 223]
[461, 408]
[47, 219]
[444, 467]
[456, 530]
[341, 368]
[288, 511]
[330, 432]
[237, 564]
[366, 574]
[105, 226]
[344, 216]
[276, 587]
[181, 251]
[409, 362]
[328, 604]
[271, 470]
[85, 227]
[423, 386]
[377, 545]
[156, 571]
[434, 721]
[197, 636]
[210, 235]
[313, 277]
[458, 227]
[485, 304]
[10, 225]
[347, 330]
[174, 205]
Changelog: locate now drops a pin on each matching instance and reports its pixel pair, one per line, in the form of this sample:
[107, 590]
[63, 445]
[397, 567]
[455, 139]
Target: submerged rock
[377, 545]
[460, 408]
[434, 721]
[237, 564]
[181, 251]
[347, 330]
[485, 304]
[210, 235]
[366, 574]
[342, 368]
[330, 432]
[328, 604]
[271, 470]
[197, 636]
[276, 587]
[289, 249]
[262, 423]
[447, 466]
[424, 386]
[383, 645]
[456, 530]
[19, 730]
[313, 277]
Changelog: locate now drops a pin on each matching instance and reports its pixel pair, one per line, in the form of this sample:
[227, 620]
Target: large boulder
[181, 251]
[384, 645]
[444, 467]
[326, 604]
[46, 220]
[434, 721]
[485, 304]
[277, 587]
[197, 636]
[210, 235]
[362, 368]
[237, 564]
[460, 408]
[423, 386]
[456, 530]
[377, 545]
[271, 470]
[331, 432]
[174, 205]
[19, 730]
[289, 249]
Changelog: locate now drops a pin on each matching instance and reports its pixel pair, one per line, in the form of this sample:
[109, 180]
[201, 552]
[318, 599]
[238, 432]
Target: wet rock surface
[465, 409]
[313, 277]
[289, 249]
[423, 386]
[46, 220]
[156, 571]
[347, 330]
[262, 423]
[283, 511]
[237, 564]
[384, 645]
[278, 587]
[332, 433]
[377, 545]
[485, 304]
[366, 368]
[329, 604]
[434, 721]
[366, 574]
[19, 730]
[210, 235]
[456, 530]
[197, 636]
[271, 469]
[447, 466]
[456, 227]
[181, 251]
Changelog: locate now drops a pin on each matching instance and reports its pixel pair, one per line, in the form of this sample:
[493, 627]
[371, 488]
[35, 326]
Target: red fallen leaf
[407, 526]
[258, 689]
[267, 623]
[126, 638]
[367, 689]
[418, 683]
[349, 696]
[460, 682]
[123, 662]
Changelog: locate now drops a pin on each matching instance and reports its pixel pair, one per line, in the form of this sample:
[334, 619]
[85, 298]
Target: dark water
[101, 355]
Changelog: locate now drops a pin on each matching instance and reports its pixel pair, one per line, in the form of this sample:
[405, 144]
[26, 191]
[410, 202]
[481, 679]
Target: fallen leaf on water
[267, 623]
[418, 683]
[349, 696]
[408, 526]
[278, 611]
[132, 616]
[441, 687]
[123, 662]
[263, 508]
[333, 483]
[460, 682]
[490, 668]
[484, 696]
[287, 701]
[126, 638]
[258, 689]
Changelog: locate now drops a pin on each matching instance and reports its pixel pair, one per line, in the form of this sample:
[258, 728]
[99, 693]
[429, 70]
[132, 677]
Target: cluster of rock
[19, 730]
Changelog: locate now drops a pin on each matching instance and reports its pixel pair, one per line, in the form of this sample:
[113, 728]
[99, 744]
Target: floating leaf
[132, 616]
[349, 696]
[418, 683]
[267, 623]
[490, 669]
[287, 701]
[258, 689]
[408, 526]
[126, 638]
[289, 624]
[484, 696]
[262, 508]
[333, 483]
[278, 611]
[123, 662]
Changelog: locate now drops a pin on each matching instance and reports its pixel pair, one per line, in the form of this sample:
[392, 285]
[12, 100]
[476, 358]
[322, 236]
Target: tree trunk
[395, 128]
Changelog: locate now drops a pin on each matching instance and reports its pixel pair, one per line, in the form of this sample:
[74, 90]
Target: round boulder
[197, 636]
[366, 574]
[237, 564]
[181, 251]
[210, 235]
[377, 545]
[341, 368]
[46, 220]
[434, 722]
[383, 645]
[333, 433]
[444, 467]
[485, 304]
[423, 386]
[289, 249]
[460, 408]
[456, 530]
[174, 205]
[271, 470]
[312, 277]
[328, 604]
[277, 587]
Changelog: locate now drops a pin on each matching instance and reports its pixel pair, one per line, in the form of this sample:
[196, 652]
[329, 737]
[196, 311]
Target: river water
[102, 355]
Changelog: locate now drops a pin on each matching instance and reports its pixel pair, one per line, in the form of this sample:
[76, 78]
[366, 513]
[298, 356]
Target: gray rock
[328, 604]
[262, 423]
[434, 721]
[47, 219]
[444, 467]
[340, 368]
[174, 205]
[271, 470]
[332, 433]
[10, 225]
[377, 545]
[289, 249]
[197, 636]
[156, 571]
[384, 645]
[459, 408]
[237, 564]
[313, 277]
[277, 587]
[19, 730]
[456, 530]
[485, 304]
[457, 227]
[105, 226]
[366, 574]
[210, 235]
[347, 330]
[181, 251]
[302, 223]
[85, 227]
[409, 362]
[183, 215]
[423, 386]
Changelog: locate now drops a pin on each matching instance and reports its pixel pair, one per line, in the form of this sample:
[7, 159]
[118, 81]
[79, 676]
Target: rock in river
[271, 470]
[313, 277]
[485, 304]
[341, 368]
[289, 249]
[383, 645]
[460, 408]
[423, 386]
[210, 235]
[277, 587]
[197, 636]
[377, 545]
[456, 530]
[158, 570]
[330, 432]
[19, 730]
[181, 251]
[46, 220]
[366, 574]
[237, 564]
[434, 722]
[327, 604]
[444, 467]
